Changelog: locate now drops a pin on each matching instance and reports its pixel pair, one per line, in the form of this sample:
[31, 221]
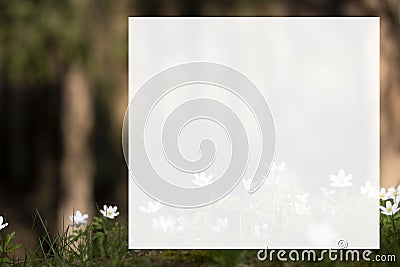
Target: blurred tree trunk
[77, 163]
[389, 12]
[119, 100]
[390, 92]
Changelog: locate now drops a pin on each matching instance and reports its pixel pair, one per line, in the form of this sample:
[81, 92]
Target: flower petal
[348, 177]
[384, 212]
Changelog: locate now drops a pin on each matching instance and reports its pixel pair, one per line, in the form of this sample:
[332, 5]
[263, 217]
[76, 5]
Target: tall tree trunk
[77, 164]
[390, 92]
[389, 13]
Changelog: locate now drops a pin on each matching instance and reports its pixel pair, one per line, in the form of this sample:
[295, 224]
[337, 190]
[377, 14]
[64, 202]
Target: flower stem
[395, 230]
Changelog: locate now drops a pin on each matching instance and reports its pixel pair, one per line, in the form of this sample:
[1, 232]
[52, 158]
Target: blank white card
[253, 132]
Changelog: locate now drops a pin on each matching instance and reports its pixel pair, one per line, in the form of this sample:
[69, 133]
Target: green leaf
[97, 225]
[99, 236]
[13, 248]
[8, 239]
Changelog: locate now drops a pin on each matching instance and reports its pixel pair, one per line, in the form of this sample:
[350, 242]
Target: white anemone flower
[394, 192]
[151, 207]
[2, 225]
[341, 180]
[110, 212]
[383, 195]
[170, 224]
[369, 190]
[167, 224]
[78, 219]
[366, 188]
[201, 179]
[390, 209]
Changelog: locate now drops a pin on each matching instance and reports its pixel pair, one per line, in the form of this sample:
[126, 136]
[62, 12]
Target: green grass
[103, 242]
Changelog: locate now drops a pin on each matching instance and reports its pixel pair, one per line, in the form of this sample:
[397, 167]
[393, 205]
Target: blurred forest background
[63, 94]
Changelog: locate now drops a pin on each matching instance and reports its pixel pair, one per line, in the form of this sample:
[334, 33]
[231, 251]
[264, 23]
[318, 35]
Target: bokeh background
[63, 94]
